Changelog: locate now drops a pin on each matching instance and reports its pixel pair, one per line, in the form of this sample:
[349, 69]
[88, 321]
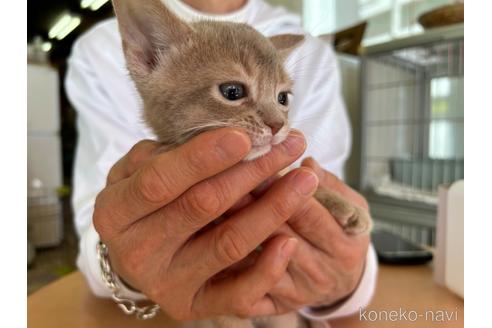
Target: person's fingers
[244, 294]
[139, 154]
[239, 235]
[241, 203]
[264, 186]
[167, 176]
[308, 265]
[326, 179]
[314, 223]
[313, 274]
[330, 181]
[209, 199]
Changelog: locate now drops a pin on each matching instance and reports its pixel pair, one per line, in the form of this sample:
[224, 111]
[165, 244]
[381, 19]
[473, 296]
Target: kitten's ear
[286, 43]
[147, 28]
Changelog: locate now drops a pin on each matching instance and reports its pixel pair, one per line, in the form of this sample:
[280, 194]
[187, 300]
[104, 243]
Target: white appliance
[43, 126]
[449, 261]
[44, 157]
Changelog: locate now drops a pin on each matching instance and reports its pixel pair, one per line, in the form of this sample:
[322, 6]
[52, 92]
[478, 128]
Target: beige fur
[178, 68]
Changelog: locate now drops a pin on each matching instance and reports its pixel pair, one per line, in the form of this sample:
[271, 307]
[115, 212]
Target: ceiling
[41, 15]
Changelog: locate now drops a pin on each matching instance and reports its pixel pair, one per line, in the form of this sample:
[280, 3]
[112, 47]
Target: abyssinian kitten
[198, 76]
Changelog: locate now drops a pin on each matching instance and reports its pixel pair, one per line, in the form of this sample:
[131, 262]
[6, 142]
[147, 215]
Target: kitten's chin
[281, 135]
[257, 151]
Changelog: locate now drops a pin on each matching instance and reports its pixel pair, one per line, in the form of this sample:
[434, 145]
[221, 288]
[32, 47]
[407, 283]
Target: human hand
[328, 263]
[152, 212]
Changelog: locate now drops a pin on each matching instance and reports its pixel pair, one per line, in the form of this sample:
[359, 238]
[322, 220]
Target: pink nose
[274, 126]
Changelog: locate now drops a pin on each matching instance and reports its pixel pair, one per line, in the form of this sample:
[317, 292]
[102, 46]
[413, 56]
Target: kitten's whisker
[198, 126]
[291, 65]
[310, 69]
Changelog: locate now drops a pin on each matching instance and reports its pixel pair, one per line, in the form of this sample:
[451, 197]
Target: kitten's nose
[274, 126]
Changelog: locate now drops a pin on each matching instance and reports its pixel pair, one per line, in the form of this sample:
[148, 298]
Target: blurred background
[402, 71]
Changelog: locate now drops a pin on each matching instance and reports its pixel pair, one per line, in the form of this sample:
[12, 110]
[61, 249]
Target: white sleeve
[318, 109]
[102, 138]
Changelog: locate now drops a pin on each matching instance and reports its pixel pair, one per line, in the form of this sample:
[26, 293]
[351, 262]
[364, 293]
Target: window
[446, 114]
[388, 19]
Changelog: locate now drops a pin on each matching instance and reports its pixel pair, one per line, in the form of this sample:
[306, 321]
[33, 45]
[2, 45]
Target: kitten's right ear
[286, 43]
[147, 29]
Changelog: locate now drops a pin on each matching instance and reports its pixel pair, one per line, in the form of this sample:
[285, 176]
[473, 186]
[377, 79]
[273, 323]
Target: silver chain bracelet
[109, 277]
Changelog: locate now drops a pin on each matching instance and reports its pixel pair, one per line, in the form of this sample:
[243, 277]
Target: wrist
[114, 283]
[358, 299]
[118, 272]
[126, 284]
[334, 301]
[326, 306]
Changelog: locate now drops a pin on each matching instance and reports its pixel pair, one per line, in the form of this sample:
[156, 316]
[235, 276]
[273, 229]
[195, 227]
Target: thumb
[313, 165]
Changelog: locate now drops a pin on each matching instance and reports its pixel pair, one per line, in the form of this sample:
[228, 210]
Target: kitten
[205, 75]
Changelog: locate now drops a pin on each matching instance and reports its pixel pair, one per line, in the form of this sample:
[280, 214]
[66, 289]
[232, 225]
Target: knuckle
[242, 307]
[229, 245]
[243, 313]
[203, 202]
[133, 156]
[282, 208]
[153, 185]
[142, 144]
[351, 260]
[138, 152]
[111, 178]
[100, 218]
[273, 275]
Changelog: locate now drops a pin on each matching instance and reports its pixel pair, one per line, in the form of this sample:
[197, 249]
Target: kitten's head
[205, 75]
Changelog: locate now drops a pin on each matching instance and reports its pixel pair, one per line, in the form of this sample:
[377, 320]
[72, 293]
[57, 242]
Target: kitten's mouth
[258, 151]
[265, 147]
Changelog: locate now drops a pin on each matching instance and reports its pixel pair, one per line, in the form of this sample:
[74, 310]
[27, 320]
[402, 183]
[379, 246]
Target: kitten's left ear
[286, 43]
[147, 29]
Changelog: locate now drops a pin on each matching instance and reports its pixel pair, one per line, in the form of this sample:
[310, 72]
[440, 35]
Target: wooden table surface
[69, 303]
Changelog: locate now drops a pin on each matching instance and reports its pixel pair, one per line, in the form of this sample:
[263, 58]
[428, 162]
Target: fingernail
[316, 168]
[294, 144]
[233, 144]
[305, 182]
[289, 247]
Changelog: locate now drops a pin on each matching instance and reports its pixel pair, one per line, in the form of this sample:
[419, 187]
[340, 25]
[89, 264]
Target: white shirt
[109, 121]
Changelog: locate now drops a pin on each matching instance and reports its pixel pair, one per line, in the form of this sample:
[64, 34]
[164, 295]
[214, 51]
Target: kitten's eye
[283, 98]
[232, 91]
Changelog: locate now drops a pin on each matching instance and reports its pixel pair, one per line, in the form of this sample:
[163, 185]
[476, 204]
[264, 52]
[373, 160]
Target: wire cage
[412, 129]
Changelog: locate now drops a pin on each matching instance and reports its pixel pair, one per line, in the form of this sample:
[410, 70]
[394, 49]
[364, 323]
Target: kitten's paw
[358, 223]
[353, 219]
